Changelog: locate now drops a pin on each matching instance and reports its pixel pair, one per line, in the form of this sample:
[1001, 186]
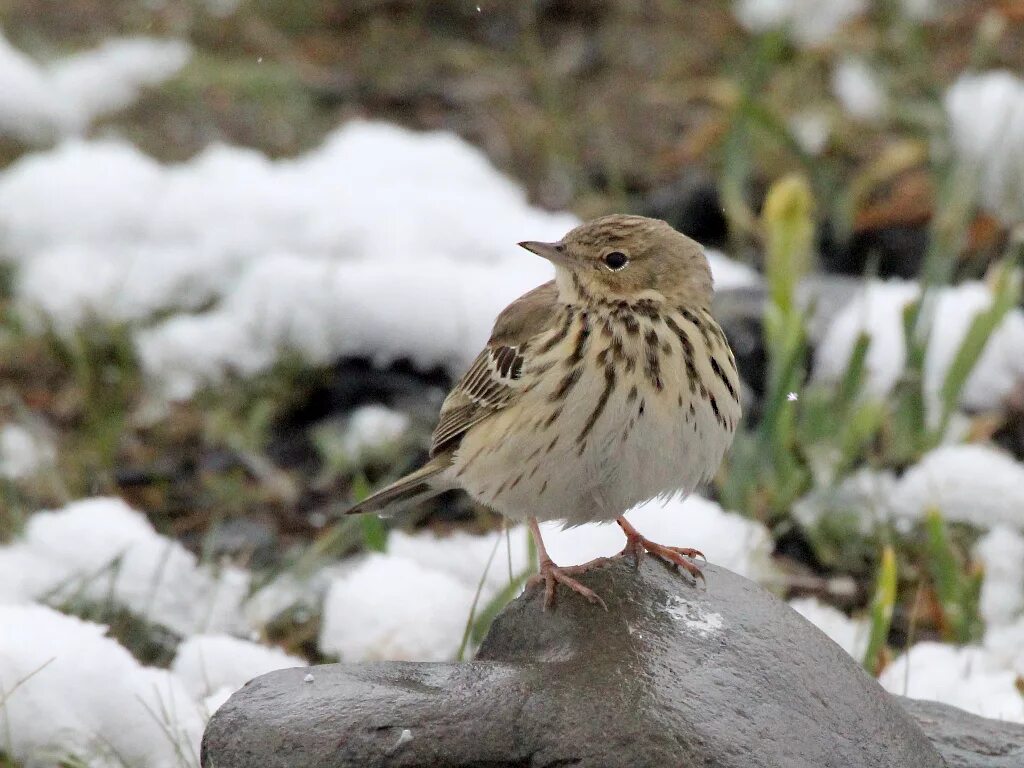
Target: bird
[608, 386]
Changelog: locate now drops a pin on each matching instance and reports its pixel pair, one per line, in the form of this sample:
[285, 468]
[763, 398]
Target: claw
[552, 575]
[636, 545]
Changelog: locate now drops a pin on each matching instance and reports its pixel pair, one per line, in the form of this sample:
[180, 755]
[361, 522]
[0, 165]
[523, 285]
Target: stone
[966, 740]
[719, 675]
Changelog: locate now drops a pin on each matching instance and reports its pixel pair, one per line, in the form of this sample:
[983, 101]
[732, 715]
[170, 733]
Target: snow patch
[391, 608]
[371, 428]
[728, 273]
[42, 102]
[986, 118]
[206, 664]
[973, 484]
[809, 22]
[811, 129]
[23, 453]
[878, 312]
[858, 90]
[729, 540]
[1001, 552]
[101, 549]
[305, 255]
[83, 695]
[971, 678]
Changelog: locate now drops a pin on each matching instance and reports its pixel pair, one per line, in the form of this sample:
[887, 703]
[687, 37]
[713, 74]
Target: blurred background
[247, 245]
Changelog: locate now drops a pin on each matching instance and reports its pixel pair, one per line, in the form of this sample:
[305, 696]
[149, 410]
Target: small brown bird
[606, 387]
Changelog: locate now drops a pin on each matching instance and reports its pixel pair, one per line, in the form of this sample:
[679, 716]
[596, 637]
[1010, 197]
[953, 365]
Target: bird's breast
[619, 407]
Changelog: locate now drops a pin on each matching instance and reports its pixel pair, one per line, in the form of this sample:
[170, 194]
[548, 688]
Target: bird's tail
[414, 488]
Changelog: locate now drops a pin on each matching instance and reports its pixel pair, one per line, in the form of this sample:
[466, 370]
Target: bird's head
[622, 257]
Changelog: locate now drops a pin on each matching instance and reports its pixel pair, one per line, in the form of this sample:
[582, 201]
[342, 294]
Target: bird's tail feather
[413, 489]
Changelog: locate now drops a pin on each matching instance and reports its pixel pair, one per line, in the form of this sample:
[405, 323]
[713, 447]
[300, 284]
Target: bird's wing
[493, 380]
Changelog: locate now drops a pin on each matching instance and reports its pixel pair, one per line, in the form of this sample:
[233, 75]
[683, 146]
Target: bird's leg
[637, 544]
[552, 574]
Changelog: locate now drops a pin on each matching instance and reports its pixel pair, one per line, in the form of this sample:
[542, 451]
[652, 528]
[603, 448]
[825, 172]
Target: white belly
[642, 445]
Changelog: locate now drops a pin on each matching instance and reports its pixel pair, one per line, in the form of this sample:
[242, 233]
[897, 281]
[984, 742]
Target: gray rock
[673, 674]
[966, 740]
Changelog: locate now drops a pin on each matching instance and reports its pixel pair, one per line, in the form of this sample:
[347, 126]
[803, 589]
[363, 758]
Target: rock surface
[966, 740]
[674, 674]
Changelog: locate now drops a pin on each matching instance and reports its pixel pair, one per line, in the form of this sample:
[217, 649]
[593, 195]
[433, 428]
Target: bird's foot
[637, 544]
[551, 575]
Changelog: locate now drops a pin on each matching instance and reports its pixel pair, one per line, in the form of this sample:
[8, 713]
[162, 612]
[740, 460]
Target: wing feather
[493, 381]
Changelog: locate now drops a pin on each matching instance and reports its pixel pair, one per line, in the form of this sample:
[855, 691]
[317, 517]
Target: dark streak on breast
[602, 401]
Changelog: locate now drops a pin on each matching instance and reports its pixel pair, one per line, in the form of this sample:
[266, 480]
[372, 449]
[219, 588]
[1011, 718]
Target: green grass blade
[1006, 295]
[882, 605]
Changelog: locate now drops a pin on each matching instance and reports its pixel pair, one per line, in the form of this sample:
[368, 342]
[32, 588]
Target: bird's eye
[615, 260]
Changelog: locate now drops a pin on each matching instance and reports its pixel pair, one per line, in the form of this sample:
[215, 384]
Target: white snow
[809, 22]
[382, 242]
[43, 101]
[849, 634]
[967, 677]
[967, 483]
[389, 607]
[464, 556]
[1001, 552]
[23, 453]
[811, 129]
[81, 694]
[974, 484]
[858, 89]
[986, 117]
[206, 664]
[729, 540]
[371, 428]
[878, 311]
[729, 273]
[102, 549]
[1006, 645]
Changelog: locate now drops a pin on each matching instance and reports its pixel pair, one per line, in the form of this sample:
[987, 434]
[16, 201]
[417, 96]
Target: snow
[1001, 552]
[371, 428]
[974, 484]
[382, 243]
[849, 634]
[858, 89]
[729, 273]
[967, 677]
[368, 613]
[986, 117]
[1006, 645]
[811, 129]
[967, 483]
[43, 101]
[206, 664]
[101, 549]
[809, 22]
[23, 453]
[729, 540]
[464, 556]
[878, 311]
[82, 694]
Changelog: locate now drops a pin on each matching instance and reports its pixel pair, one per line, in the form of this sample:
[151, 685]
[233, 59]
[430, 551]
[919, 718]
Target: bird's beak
[553, 252]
